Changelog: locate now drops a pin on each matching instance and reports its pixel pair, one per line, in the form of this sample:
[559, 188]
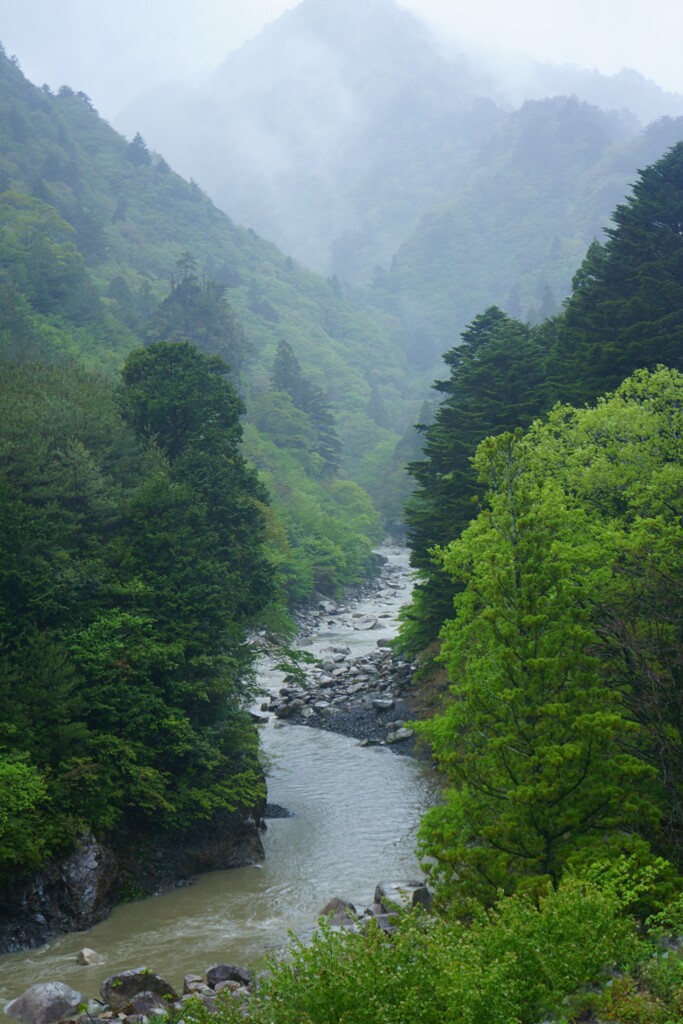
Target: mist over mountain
[339, 126]
[337, 118]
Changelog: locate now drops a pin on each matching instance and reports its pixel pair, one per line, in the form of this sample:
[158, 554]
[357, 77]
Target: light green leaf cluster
[562, 728]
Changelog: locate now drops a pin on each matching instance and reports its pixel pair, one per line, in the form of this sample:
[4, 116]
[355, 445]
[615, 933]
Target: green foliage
[325, 530]
[22, 791]
[518, 962]
[561, 730]
[131, 570]
[198, 312]
[308, 398]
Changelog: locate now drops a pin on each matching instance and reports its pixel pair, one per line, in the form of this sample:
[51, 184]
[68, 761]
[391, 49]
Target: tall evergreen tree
[626, 307]
[288, 376]
[198, 311]
[496, 383]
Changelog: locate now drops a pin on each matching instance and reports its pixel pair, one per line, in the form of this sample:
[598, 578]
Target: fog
[116, 51]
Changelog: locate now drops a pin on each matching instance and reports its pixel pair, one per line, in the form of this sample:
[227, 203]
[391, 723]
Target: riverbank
[135, 994]
[358, 687]
[369, 698]
[354, 812]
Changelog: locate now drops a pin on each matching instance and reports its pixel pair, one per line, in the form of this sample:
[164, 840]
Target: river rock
[226, 986]
[341, 913]
[148, 1004]
[366, 622]
[227, 972]
[403, 895]
[193, 983]
[283, 711]
[45, 1003]
[118, 990]
[88, 957]
[383, 703]
[399, 735]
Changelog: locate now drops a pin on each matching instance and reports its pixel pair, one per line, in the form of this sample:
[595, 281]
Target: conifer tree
[496, 383]
[306, 396]
[626, 307]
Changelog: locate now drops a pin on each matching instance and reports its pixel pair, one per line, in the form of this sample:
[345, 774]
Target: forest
[198, 436]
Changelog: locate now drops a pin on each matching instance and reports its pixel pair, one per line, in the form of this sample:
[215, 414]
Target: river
[354, 816]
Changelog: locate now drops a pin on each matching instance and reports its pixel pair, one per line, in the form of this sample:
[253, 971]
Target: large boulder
[90, 878]
[148, 1004]
[340, 913]
[399, 735]
[46, 1003]
[227, 972]
[88, 957]
[119, 990]
[366, 622]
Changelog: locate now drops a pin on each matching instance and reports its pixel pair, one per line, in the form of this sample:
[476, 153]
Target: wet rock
[88, 957]
[148, 1004]
[276, 811]
[383, 703]
[366, 622]
[284, 711]
[403, 895]
[119, 989]
[341, 914]
[227, 972]
[399, 735]
[45, 1003]
[192, 983]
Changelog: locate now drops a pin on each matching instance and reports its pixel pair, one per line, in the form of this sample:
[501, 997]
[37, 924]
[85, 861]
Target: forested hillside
[104, 247]
[624, 314]
[520, 221]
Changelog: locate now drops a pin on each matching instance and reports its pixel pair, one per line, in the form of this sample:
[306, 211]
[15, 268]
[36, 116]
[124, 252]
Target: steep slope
[133, 219]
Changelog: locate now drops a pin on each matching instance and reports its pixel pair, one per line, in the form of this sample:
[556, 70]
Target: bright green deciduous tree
[563, 732]
[533, 740]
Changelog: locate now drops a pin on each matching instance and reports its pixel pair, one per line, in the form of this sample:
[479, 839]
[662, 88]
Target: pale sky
[114, 51]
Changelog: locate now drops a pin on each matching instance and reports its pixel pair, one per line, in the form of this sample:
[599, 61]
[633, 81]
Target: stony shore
[368, 696]
[137, 995]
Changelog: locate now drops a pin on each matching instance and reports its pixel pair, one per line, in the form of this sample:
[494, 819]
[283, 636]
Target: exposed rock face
[227, 842]
[65, 896]
[46, 1003]
[82, 889]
